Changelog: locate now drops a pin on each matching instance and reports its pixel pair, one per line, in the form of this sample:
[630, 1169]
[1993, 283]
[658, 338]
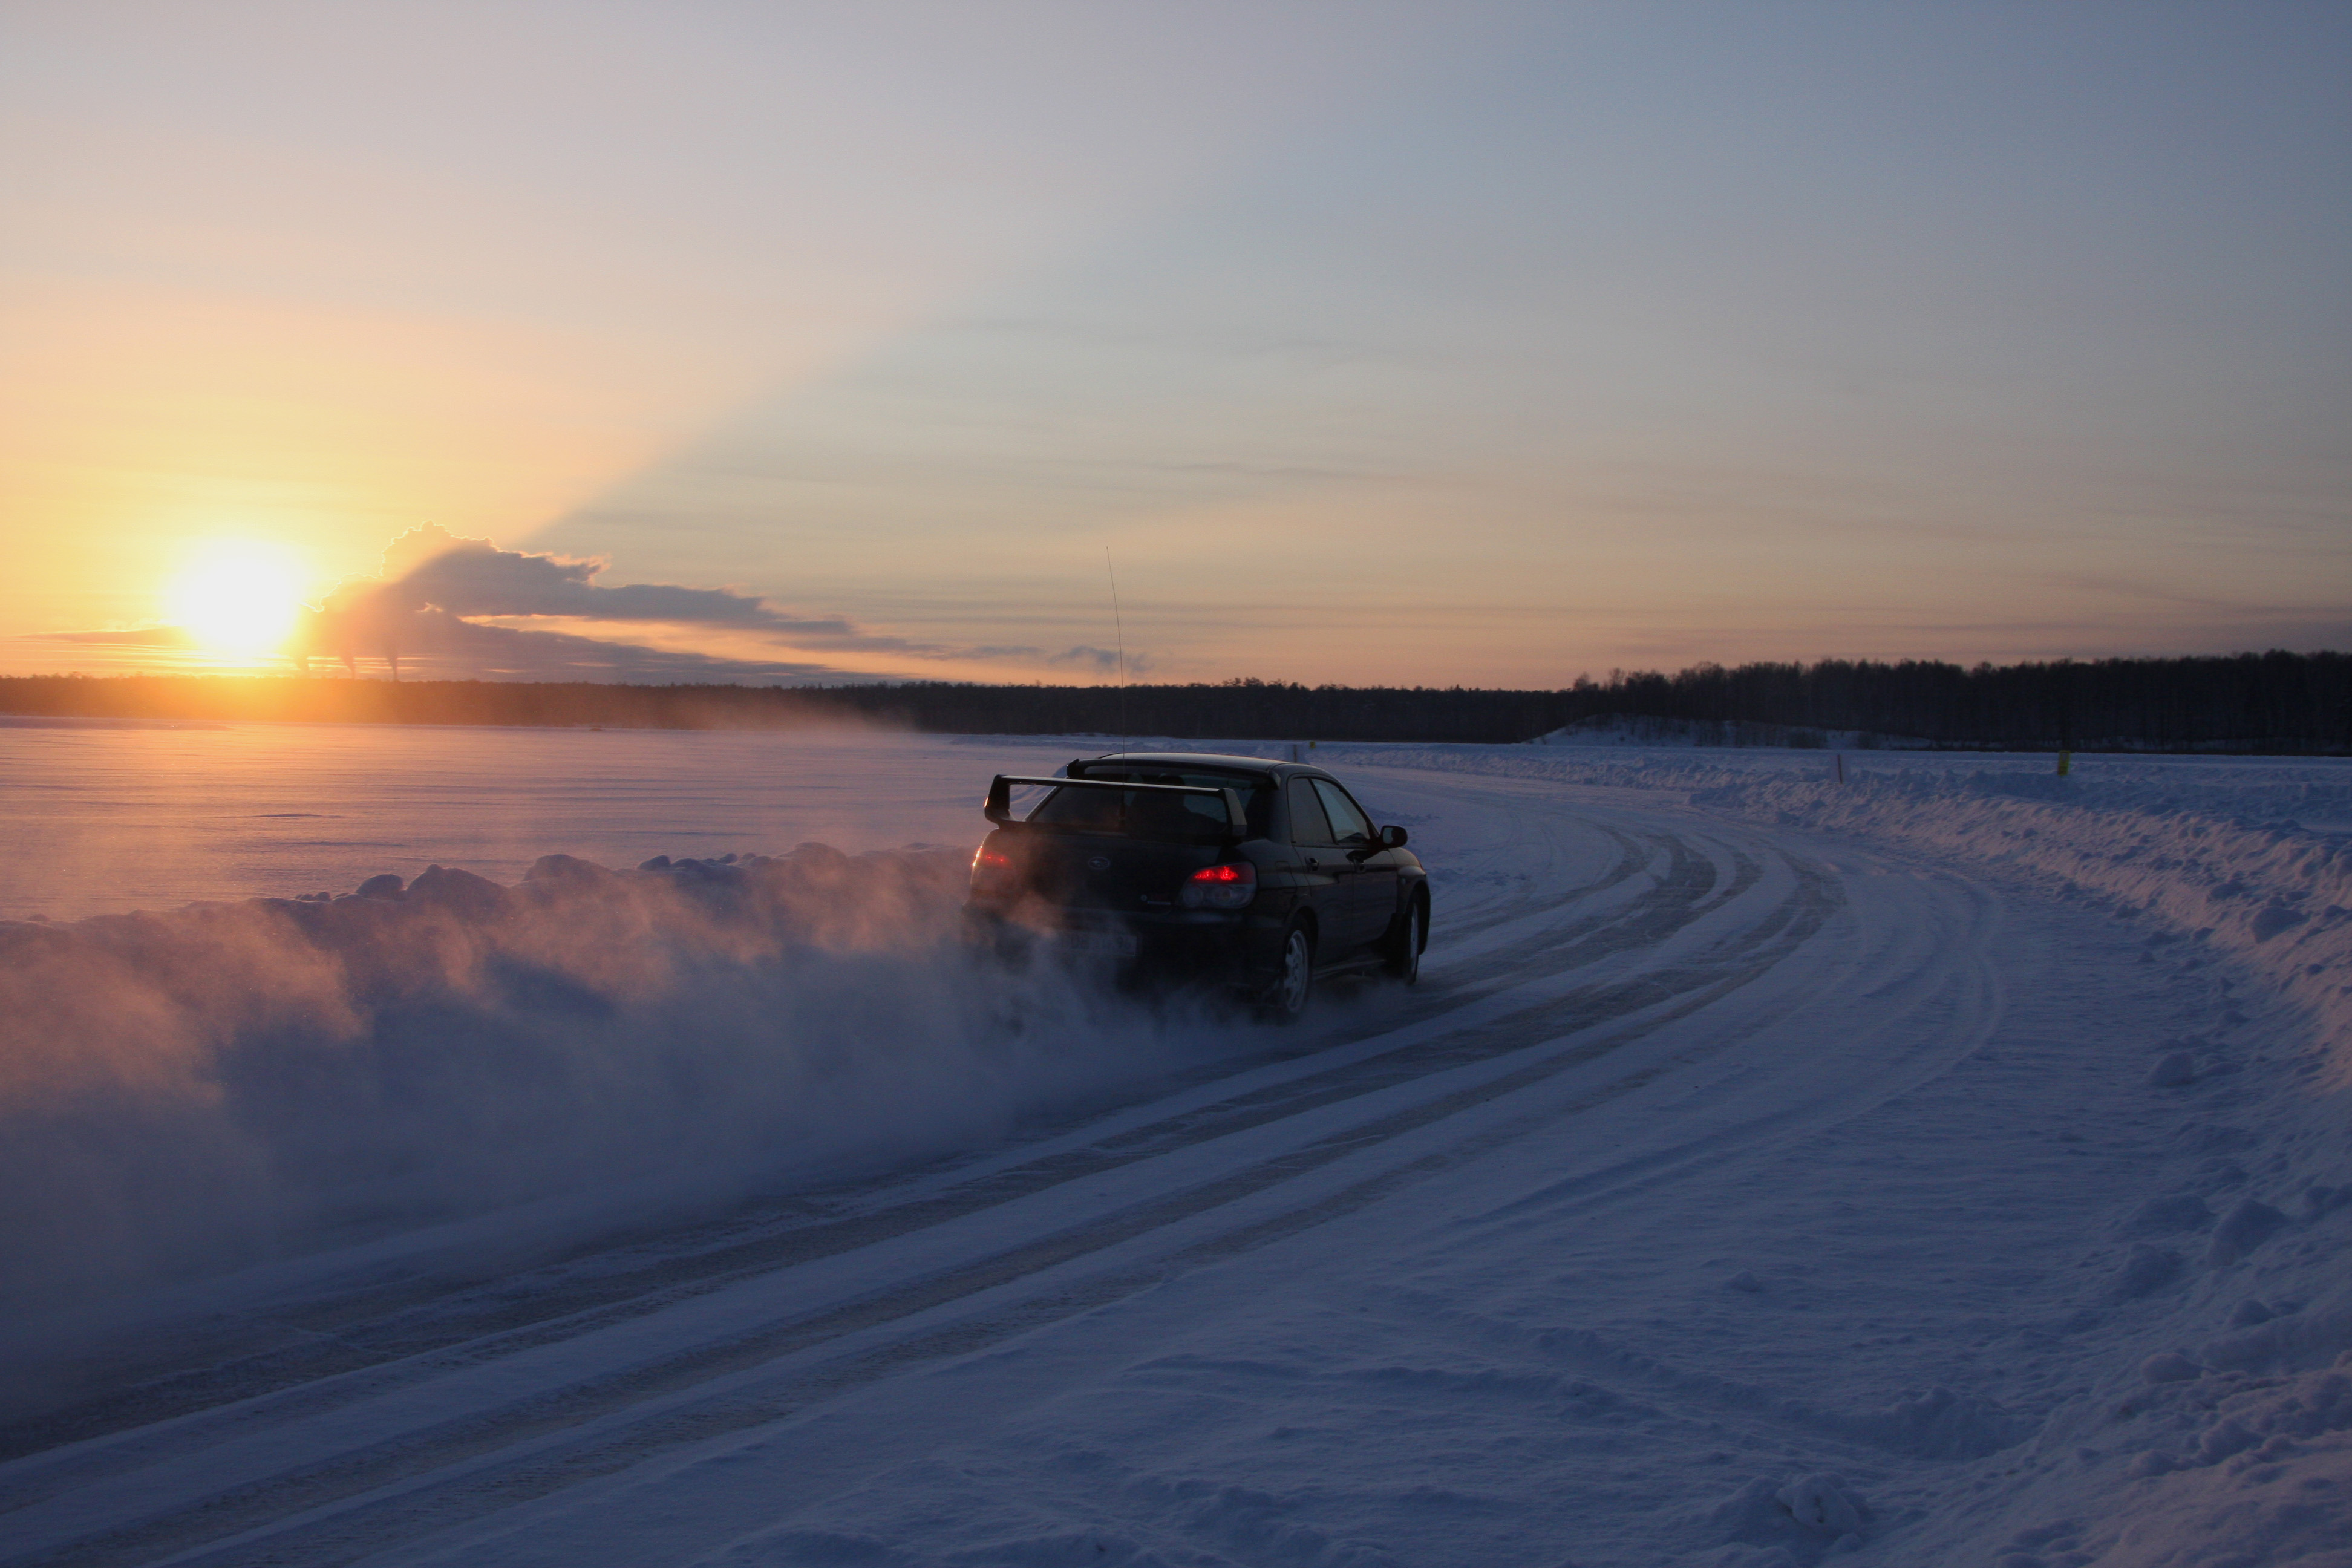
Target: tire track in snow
[1534, 899]
[473, 1496]
[1690, 885]
[357, 1479]
[1870, 1432]
[1976, 1000]
[669, 1280]
[341, 1348]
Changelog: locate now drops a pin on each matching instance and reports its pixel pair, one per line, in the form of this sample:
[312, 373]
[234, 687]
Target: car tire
[1402, 959]
[1294, 983]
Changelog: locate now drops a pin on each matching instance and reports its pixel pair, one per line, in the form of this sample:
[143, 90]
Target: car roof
[1208, 760]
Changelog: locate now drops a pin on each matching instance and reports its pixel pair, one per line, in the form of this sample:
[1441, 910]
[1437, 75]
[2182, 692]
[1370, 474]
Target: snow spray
[185, 1094]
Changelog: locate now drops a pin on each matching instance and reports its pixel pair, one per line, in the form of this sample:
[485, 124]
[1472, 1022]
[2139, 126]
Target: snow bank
[2190, 1443]
[2272, 894]
[1639, 730]
[188, 1092]
[2251, 1472]
[2217, 852]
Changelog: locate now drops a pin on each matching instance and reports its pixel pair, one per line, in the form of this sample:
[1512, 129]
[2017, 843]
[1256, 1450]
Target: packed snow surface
[624, 1162]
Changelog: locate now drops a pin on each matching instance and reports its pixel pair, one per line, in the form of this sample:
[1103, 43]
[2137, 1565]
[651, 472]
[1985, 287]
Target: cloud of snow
[184, 1094]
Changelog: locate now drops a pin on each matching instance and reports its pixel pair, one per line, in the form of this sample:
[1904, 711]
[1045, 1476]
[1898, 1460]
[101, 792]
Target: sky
[1490, 345]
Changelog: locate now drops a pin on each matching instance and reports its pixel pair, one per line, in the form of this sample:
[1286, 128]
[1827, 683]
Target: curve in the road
[1569, 997]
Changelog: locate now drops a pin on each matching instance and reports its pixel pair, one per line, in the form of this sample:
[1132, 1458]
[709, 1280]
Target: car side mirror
[1392, 837]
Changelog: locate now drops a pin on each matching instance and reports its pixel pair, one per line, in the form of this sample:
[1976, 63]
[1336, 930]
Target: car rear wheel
[1402, 959]
[1294, 984]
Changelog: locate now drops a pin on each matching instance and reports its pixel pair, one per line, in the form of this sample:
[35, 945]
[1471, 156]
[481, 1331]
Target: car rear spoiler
[998, 808]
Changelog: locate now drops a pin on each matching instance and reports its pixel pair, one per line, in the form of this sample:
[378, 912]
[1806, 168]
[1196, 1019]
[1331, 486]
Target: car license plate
[1099, 943]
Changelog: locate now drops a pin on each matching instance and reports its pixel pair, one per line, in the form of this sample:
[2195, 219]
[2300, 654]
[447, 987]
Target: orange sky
[1492, 346]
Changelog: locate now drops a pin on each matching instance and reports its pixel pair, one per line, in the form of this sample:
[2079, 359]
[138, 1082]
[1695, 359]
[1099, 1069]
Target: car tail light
[1221, 887]
[993, 874]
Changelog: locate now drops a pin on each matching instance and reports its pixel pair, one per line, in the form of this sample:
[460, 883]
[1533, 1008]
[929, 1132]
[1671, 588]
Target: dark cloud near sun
[432, 641]
[133, 637]
[445, 605]
[431, 566]
[432, 605]
[1100, 660]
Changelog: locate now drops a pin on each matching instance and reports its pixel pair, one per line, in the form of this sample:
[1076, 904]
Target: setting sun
[240, 598]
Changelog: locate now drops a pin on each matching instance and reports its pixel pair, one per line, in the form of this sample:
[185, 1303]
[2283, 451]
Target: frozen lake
[1943, 1166]
[97, 818]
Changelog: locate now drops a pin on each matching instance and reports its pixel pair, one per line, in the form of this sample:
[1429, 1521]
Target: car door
[1326, 873]
[1371, 883]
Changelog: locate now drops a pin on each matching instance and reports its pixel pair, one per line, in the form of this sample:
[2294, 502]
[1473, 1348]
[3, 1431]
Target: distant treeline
[2260, 702]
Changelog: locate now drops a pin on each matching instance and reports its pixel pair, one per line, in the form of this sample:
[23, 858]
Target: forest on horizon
[2269, 702]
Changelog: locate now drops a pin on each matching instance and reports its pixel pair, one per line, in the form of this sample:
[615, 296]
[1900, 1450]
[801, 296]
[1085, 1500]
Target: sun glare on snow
[240, 598]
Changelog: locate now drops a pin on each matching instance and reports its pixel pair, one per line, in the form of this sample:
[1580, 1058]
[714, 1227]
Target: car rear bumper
[1238, 947]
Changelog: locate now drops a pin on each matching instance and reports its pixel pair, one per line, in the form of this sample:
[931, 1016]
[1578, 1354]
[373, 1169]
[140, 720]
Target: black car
[1255, 874]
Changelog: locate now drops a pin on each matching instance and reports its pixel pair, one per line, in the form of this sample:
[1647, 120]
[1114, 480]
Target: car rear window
[1147, 814]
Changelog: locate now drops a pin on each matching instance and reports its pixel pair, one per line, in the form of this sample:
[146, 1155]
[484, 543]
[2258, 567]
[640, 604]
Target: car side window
[1349, 823]
[1308, 823]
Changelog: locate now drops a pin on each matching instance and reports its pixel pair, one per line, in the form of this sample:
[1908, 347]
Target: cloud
[429, 606]
[435, 589]
[433, 641]
[444, 606]
[1101, 660]
[133, 637]
[431, 566]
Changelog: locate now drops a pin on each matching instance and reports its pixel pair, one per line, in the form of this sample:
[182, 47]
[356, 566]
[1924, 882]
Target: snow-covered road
[1733, 1190]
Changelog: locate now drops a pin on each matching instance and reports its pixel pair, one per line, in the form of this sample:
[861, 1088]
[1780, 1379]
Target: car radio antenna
[1118, 626]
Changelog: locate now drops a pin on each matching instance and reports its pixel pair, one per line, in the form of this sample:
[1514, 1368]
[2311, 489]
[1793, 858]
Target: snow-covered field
[1950, 1166]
